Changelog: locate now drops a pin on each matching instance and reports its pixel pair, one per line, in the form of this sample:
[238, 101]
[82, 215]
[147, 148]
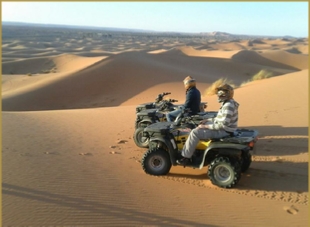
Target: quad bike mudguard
[144, 123]
[158, 141]
[145, 117]
[224, 149]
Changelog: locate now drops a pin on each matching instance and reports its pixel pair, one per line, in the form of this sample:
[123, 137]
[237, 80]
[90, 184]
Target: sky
[244, 18]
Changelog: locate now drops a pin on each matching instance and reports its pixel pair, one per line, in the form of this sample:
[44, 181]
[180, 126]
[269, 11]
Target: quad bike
[153, 108]
[151, 116]
[153, 105]
[146, 117]
[226, 157]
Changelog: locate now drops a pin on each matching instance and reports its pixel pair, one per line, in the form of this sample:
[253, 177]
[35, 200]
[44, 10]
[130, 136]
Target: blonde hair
[212, 90]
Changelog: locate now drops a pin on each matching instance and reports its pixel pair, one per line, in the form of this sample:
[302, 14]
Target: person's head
[224, 92]
[189, 82]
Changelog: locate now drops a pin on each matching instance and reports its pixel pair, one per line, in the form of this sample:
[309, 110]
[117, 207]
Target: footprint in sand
[86, 154]
[52, 153]
[26, 154]
[122, 141]
[291, 210]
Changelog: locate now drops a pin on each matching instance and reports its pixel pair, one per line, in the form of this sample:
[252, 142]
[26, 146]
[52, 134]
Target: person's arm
[188, 100]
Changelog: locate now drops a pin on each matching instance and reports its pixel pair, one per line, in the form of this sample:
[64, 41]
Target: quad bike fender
[168, 145]
[225, 149]
[144, 123]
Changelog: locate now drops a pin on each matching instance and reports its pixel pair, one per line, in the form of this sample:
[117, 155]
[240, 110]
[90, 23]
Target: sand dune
[136, 70]
[269, 61]
[60, 63]
[68, 154]
[295, 60]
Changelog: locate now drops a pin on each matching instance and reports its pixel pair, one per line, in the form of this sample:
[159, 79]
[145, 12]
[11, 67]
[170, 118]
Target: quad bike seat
[147, 112]
[145, 106]
[161, 127]
[239, 136]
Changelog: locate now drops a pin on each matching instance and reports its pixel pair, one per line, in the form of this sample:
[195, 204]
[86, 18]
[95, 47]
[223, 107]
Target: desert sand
[68, 112]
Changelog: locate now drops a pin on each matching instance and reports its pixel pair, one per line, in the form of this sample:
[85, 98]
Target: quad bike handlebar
[160, 97]
[172, 100]
[166, 104]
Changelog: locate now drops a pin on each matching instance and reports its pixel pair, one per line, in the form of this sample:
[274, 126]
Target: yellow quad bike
[226, 158]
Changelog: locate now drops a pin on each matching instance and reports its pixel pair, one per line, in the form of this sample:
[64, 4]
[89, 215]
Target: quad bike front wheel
[224, 173]
[139, 139]
[156, 162]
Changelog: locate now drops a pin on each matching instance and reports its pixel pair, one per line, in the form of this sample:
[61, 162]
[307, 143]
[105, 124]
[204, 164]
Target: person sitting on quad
[224, 124]
[193, 99]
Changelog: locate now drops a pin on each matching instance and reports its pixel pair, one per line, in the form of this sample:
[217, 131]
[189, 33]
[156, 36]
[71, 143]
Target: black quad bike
[147, 116]
[226, 158]
[153, 105]
[152, 112]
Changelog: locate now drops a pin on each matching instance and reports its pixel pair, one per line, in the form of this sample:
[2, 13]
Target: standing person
[193, 99]
[224, 124]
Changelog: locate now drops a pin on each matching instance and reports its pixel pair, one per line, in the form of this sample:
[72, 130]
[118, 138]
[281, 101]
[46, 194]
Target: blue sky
[249, 18]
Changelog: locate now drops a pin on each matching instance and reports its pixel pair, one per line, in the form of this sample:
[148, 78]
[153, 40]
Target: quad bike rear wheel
[139, 139]
[224, 173]
[156, 162]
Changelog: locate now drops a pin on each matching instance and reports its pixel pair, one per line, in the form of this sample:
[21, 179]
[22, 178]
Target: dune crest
[61, 63]
[69, 62]
[298, 61]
